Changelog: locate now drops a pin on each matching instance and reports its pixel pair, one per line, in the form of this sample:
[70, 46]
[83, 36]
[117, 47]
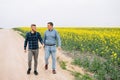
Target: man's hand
[25, 51]
[59, 48]
[43, 45]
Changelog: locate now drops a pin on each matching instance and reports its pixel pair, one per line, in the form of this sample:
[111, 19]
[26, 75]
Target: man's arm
[58, 38]
[40, 38]
[44, 37]
[26, 41]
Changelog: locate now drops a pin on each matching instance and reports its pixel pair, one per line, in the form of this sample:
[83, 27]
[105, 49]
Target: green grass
[79, 76]
[103, 70]
[63, 64]
[22, 33]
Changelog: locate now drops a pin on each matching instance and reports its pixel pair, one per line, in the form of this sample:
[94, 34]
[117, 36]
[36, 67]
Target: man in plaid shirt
[32, 39]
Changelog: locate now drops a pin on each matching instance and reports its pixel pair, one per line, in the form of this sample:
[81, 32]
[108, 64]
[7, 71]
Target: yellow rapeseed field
[103, 42]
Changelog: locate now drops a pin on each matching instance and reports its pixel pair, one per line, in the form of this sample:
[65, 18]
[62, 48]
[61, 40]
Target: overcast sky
[15, 13]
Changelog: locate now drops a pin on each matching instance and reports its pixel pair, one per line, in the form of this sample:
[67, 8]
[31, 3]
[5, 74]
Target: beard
[33, 30]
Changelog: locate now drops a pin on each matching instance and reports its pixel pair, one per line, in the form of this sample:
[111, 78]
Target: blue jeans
[50, 50]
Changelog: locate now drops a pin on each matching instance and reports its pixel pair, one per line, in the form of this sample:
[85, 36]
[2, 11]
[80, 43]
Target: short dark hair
[51, 23]
[33, 25]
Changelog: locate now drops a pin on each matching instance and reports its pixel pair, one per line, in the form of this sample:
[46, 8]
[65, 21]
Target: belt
[50, 44]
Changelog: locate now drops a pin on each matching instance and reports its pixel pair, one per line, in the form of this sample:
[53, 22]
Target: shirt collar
[50, 30]
[32, 33]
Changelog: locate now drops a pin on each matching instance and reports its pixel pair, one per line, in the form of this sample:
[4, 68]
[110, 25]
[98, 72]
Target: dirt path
[13, 60]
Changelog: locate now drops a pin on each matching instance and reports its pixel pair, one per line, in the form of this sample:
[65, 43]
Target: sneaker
[46, 66]
[53, 71]
[35, 72]
[28, 71]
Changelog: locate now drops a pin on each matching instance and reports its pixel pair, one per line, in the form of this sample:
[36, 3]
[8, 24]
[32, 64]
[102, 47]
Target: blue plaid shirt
[32, 40]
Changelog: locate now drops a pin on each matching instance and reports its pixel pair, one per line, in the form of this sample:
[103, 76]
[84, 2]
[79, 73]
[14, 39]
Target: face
[33, 28]
[49, 26]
